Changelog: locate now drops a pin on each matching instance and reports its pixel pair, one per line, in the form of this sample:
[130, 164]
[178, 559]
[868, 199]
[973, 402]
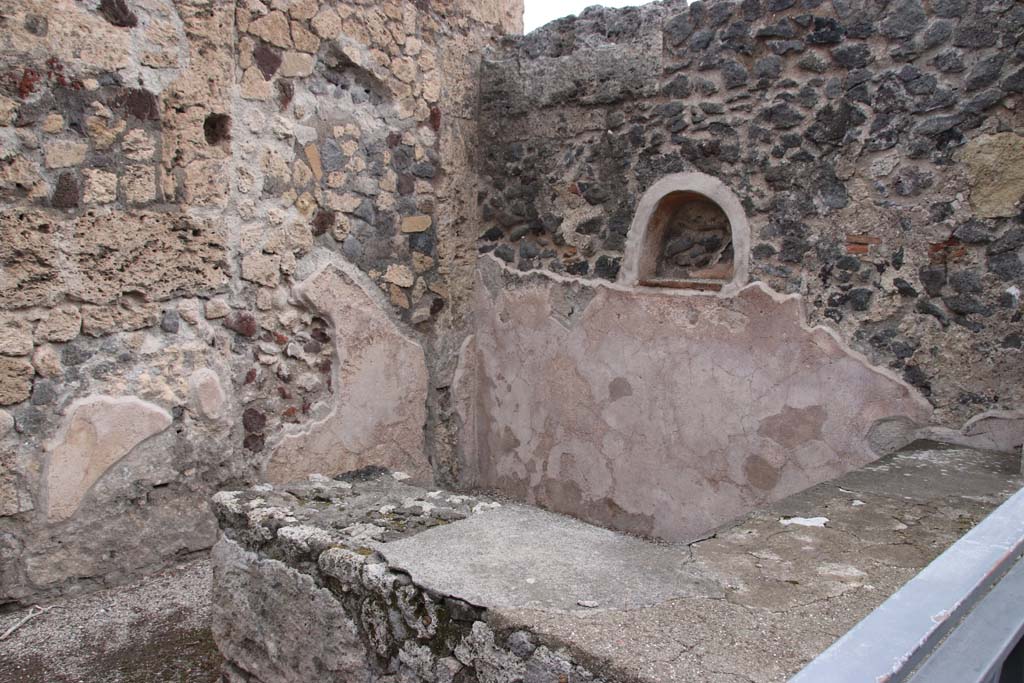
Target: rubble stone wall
[876, 146]
[317, 543]
[170, 172]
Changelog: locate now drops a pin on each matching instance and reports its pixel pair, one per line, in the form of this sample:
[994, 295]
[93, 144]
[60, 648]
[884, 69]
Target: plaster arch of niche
[644, 245]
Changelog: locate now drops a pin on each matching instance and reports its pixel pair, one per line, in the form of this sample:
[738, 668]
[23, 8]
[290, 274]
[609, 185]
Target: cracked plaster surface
[661, 413]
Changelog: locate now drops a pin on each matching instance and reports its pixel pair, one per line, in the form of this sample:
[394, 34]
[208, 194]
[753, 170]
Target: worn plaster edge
[795, 299]
[307, 270]
[59, 437]
[889, 435]
[465, 390]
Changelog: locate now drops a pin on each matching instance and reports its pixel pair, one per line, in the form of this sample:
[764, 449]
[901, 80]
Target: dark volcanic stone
[140, 103]
[832, 123]
[242, 323]
[904, 19]
[860, 298]
[984, 73]
[904, 288]
[67, 194]
[253, 442]
[826, 31]
[323, 221]
[852, 56]
[950, 61]
[505, 252]
[253, 420]
[734, 74]
[974, 34]
[933, 278]
[118, 13]
[607, 267]
[1006, 266]
[973, 232]
[267, 59]
[170, 322]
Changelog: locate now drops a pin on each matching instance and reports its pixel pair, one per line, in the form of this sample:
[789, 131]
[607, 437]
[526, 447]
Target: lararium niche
[689, 232]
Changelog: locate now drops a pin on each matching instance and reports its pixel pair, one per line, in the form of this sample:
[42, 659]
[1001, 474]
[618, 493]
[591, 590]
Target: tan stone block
[296, 64]
[97, 432]
[207, 394]
[315, 164]
[346, 203]
[421, 263]
[305, 204]
[64, 153]
[189, 310]
[263, 269]
[104, 133]
[398, 296]
[304, 9]
[398, 274]
[302, 175]
[254, 86]
[305, 41]
[15, 380]
[341, 229]
[404, 69]
[138, 145]
[60, 324]
[99, 321]
[53, 123]
[99, 187]
[15, 335]
[416, 223]
[139, 184]
[273, 28]
[6, 423]
[337, 179]
[217, 308]
[8, 110]
[264, 299]
[327, 23]
[207, 183]
[995, 171]
[102, 255]
[46, 360]
[20, 173]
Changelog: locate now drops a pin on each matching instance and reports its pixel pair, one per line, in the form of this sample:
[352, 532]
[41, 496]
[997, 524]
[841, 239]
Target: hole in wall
[217, 128]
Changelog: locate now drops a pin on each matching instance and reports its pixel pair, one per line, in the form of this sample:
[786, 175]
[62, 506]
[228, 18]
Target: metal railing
[960, 620]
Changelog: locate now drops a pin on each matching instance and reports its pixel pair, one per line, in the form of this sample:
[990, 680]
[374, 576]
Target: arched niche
[689, 232]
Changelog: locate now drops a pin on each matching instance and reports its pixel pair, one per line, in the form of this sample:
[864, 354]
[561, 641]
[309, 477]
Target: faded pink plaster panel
[380, 390]
[660, 413]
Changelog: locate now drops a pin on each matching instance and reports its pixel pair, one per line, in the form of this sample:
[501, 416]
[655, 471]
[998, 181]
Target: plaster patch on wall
[733, 402]
[97, 433]
[380, 388]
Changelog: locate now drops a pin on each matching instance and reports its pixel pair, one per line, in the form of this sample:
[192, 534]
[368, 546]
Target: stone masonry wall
[316, 544]
[877, 147]
[170, 172]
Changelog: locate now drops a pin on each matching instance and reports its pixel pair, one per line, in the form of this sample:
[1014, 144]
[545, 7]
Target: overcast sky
[540, 12]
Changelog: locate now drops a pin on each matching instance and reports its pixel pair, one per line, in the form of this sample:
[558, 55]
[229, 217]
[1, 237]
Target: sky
[540, 12]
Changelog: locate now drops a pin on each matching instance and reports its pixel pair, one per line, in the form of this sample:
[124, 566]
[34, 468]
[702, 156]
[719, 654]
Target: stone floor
[753, 603]
[153, 631]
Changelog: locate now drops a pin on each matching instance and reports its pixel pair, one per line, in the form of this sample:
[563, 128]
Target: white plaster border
[707, 186]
